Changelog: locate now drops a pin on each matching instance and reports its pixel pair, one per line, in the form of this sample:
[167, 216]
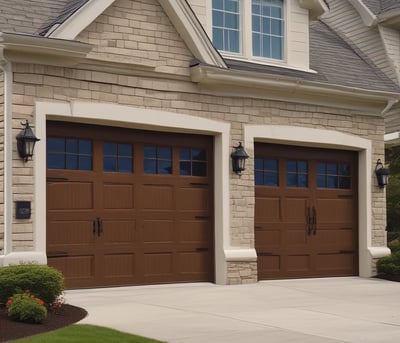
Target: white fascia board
[282, 88]
[192, 32]
[367, 16]
[390, 18]
[81, 19]
[316, 7]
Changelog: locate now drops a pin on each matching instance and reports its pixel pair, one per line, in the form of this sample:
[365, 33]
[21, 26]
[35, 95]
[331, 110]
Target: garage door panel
[268, 209]
[194, 263]
[295, 210]
[117, 196]
[194, 231]
[158, 264]
[336, 262]
[193, 199]
[71, 195]
[336, 239]
[296, 236]
[296, 263]
[268, 265]
[74, 267]
[157, 197]
[158, 231]
[119, 231]
[335, 210]
[268, 236]
[73, 232]
[119, 265]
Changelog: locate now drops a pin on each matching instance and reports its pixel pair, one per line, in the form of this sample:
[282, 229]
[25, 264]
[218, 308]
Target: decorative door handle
[94, 227]
[99, 226]
[314, 221]
[308, 221]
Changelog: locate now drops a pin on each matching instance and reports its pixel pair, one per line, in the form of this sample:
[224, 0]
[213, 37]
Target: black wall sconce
[26, 141]
[382, 174]
[239, 157]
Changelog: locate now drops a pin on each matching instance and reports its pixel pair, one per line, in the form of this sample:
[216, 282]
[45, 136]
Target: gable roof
[335, 62]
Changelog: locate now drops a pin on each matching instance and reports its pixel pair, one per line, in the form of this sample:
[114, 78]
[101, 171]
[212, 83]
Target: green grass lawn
[86, 333]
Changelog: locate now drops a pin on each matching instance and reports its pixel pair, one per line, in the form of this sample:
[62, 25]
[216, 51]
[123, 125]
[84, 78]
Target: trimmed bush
[45, 282]
[389, 265]
[394, 246]
[25, 307]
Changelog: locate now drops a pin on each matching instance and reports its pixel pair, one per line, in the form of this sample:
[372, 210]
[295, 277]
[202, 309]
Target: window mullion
[246, 30]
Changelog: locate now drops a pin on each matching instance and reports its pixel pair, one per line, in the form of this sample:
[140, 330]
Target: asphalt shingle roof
[335, 62]
[381, 6]
[35, 17]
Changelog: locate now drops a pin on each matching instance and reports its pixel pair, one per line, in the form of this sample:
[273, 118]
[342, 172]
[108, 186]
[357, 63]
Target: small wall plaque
[23, 209]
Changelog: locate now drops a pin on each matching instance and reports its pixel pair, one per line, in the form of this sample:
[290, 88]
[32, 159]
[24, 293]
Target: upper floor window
[252, 28]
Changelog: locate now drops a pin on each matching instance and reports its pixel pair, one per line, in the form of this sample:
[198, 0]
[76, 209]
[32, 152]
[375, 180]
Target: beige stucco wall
[135, 35]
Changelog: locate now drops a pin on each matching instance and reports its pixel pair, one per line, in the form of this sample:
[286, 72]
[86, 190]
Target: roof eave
[390, 18]
[33, 49]
[281, 88]
[316, 7]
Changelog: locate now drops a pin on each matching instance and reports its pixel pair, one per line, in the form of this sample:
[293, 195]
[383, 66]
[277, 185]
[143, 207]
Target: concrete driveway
[327, 310]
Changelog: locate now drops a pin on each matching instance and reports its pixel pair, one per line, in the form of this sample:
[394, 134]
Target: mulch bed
[67, 315]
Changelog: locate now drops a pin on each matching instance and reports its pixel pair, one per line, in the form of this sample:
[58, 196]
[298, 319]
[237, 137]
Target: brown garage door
[128, 207]
[306, 212]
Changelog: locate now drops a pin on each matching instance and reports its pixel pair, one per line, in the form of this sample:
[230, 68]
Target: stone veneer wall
[1, 162]
[134, 32]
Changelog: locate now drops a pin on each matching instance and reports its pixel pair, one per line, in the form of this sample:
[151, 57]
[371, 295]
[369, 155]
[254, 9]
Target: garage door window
[333, 175]
[266, 172]
[118, 157]
[193, 162]
[69, 153]
[297, 174]
[157, 160]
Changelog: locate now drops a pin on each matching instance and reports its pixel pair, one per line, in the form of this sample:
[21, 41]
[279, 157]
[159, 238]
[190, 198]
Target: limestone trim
[140, 118]
[301, 136]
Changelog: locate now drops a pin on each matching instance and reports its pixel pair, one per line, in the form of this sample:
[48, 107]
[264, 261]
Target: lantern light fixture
[382, 174]
[239, 157]
[26, 141]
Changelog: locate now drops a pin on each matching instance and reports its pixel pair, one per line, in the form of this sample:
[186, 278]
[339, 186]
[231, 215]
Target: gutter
[283, 88]
[6, 67]
[27, 48]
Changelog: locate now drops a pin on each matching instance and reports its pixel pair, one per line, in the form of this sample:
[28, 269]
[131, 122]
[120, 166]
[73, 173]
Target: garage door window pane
[333, 175]
[69, 153]
[157, 160]
[266, 172]
[117, 157]
[297, 174]
[193, 162]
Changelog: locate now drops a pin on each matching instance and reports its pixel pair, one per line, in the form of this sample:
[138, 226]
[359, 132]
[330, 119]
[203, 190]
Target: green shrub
[394, 246]
[45, 282]
[25, 307]
[389, 265]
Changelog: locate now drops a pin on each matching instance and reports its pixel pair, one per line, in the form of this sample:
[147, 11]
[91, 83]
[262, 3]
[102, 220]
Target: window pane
[291, 180]
[125, 150]
[276, 12]
[199, 155]
[164, 167]
[72, 162]
[199, 169]
[55, 144]
[332, 181]
[72, 146]
[266, 46]
[291, 166]
[255, 7]
[218, 38]
[125, 164]
[271, 179]
[85, 147]
[258, 163]
[321, 181]
[344, 169]
[109, 164]
[150, 152]
[150, 167]
[266, 25]
[164, 152]
[184, 154]
[344, 183]
[277, 45]
[218, 4]
[256, 44]
[258, 178]
[302, 180]
[302, 167]
[85, 163]
[256, 23]
[185, 168]
[271, 164]
[321, 168]
[55, 161]
[231, 21]
[110, 149]
[276, 27]
[234, 41]
[232, 5]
